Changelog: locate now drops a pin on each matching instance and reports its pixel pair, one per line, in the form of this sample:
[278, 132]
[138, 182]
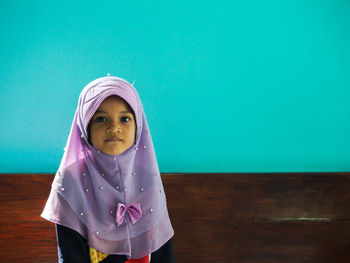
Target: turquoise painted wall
[227, 86]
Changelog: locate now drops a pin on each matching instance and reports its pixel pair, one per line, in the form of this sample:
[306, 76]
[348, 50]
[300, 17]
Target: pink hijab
[116, 202]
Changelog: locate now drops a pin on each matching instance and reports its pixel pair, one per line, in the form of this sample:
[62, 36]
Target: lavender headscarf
[90, 186]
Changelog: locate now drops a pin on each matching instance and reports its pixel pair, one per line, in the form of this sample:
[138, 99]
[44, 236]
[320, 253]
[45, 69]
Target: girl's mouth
[114, 139]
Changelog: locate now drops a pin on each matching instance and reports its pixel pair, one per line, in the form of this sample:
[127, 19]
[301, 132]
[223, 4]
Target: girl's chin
[113, 151]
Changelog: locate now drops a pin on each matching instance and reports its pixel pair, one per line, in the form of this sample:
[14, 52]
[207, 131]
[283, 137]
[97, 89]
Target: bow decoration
[134, 211]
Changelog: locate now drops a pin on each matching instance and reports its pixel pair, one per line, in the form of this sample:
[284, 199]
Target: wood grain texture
[24, 235]
[277, 217]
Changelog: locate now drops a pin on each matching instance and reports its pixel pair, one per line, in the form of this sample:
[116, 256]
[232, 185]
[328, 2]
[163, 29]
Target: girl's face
[112, 128]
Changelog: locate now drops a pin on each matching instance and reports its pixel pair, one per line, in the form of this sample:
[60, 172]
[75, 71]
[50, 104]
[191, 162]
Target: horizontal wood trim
[222, 217]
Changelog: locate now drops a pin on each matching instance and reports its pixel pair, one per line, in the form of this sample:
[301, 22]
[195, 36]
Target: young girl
[107, 199]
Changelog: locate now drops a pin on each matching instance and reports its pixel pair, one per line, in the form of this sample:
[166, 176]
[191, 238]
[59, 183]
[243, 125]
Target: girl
[107, 199]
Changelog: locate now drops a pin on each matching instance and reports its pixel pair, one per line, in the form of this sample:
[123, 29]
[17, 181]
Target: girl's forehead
[114, 102]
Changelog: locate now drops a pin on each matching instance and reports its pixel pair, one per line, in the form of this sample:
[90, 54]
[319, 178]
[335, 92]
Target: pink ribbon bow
[134, 211]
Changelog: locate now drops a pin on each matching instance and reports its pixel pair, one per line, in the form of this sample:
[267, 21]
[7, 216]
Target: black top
[73, 248]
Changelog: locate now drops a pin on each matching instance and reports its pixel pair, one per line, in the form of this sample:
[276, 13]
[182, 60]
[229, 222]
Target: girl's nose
[115, 127]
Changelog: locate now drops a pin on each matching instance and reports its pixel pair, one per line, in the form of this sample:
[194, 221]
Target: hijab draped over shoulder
[116, 202]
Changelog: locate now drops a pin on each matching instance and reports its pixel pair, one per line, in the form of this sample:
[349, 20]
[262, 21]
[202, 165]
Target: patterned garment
[97, 256]
[73, 248]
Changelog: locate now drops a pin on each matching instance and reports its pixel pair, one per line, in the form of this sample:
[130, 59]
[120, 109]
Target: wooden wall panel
[24, 235]
[216, 217]
[260, 217]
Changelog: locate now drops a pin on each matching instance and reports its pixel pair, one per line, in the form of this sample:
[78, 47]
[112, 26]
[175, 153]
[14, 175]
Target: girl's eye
[101, 119]
[125, 119]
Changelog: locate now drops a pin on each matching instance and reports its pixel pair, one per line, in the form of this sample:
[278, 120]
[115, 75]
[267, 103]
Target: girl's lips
[113, 140]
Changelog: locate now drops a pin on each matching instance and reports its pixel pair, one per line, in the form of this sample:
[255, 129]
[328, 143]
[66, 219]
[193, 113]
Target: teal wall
[227, 86]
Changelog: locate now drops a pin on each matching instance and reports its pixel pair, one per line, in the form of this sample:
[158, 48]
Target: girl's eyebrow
[102, 111]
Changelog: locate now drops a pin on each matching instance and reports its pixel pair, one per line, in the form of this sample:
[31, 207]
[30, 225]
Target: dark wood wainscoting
[264, 217]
